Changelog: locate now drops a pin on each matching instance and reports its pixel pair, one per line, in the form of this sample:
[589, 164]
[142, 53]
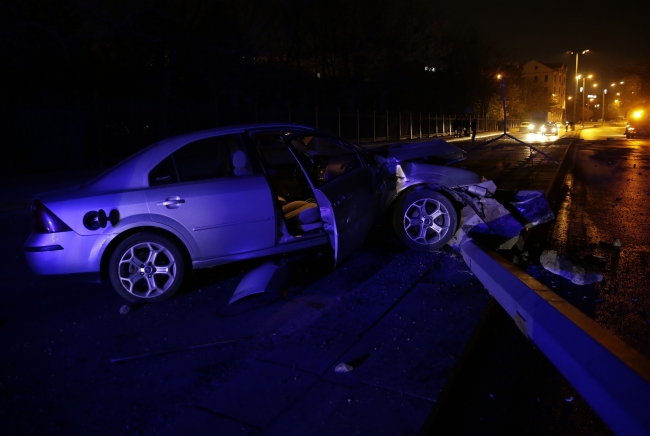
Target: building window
[546, 78]
[535, 66]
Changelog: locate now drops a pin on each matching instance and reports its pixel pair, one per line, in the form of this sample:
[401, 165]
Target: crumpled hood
[450, 177]
[436, 151]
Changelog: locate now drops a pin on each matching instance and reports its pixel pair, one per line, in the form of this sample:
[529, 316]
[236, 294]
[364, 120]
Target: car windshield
[325, 158]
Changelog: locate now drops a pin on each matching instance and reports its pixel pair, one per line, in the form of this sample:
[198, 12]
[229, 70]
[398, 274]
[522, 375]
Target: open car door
[344, 186]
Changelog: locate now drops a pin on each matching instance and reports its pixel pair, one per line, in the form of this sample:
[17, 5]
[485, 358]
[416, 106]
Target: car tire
[147, 267]
[425, 220]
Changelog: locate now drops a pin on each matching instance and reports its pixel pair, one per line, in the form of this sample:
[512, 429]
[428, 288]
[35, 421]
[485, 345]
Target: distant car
[638, 124]
[549, 128]
[634, 130]
[222, 195]
[526, 126]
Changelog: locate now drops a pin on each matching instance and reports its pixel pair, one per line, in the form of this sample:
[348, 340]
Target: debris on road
[502, 218]
[125, 309]
[563, 267]
[343, 367]
[255, 281]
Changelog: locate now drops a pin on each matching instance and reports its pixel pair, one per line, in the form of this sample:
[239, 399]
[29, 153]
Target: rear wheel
[425, 219]
[147, 267]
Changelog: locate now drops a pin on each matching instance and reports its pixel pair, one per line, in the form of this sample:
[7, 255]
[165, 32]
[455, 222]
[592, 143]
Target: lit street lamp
[576, 88]
[582, 111]
[603, 117]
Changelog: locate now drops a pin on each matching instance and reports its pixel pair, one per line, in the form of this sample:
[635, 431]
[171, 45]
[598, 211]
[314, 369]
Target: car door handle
[171, 202]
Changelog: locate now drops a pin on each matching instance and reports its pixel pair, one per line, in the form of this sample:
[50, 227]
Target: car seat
[301, 215]
[239, 163]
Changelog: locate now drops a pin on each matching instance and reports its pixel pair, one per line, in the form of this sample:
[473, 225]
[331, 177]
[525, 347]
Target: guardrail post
[387, 126]
[399, 122]
[358, 128]
[339, 117]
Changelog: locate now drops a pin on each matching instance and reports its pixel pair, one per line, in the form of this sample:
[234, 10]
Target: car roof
[132, 172]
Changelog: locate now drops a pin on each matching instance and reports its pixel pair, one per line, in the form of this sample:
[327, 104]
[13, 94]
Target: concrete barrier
[611, 376]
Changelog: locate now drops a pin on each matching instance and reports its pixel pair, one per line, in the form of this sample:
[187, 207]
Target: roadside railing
[56, 134]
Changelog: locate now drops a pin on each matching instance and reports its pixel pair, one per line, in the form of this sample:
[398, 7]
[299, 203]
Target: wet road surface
[606, 199]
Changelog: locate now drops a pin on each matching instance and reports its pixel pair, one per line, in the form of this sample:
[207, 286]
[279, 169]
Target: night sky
[616, 33]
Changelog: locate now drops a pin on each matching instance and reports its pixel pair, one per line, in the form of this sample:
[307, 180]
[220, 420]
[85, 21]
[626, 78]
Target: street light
[577, 77]
[582, 111]
[603, 117]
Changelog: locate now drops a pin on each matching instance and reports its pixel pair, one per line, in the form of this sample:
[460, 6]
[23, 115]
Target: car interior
[293, 193]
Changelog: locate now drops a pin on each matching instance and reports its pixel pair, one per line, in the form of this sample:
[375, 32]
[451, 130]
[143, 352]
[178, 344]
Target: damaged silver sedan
[222, 195]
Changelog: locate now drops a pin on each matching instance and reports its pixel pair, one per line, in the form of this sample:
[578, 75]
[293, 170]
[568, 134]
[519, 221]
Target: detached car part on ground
[217, 196]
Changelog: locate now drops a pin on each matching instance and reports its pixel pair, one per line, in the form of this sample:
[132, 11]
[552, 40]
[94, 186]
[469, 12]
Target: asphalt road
[263, 365]
[606, 195]
[183, 360]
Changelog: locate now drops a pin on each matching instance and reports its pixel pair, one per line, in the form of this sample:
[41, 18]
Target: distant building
[553, 77]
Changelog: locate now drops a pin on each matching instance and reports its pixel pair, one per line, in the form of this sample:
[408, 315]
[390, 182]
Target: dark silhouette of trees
[231, 62]
[332, 53]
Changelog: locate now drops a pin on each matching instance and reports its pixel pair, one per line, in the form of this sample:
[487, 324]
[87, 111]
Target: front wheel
[147, 267]
[425, 219]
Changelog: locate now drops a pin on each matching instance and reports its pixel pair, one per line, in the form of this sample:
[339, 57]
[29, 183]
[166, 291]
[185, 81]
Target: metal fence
[53, 133]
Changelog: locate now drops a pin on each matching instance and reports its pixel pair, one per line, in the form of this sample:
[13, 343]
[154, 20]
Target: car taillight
[44, 221]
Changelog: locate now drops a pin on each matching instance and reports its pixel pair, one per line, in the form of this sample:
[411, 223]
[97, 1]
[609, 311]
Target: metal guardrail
[611, 376]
